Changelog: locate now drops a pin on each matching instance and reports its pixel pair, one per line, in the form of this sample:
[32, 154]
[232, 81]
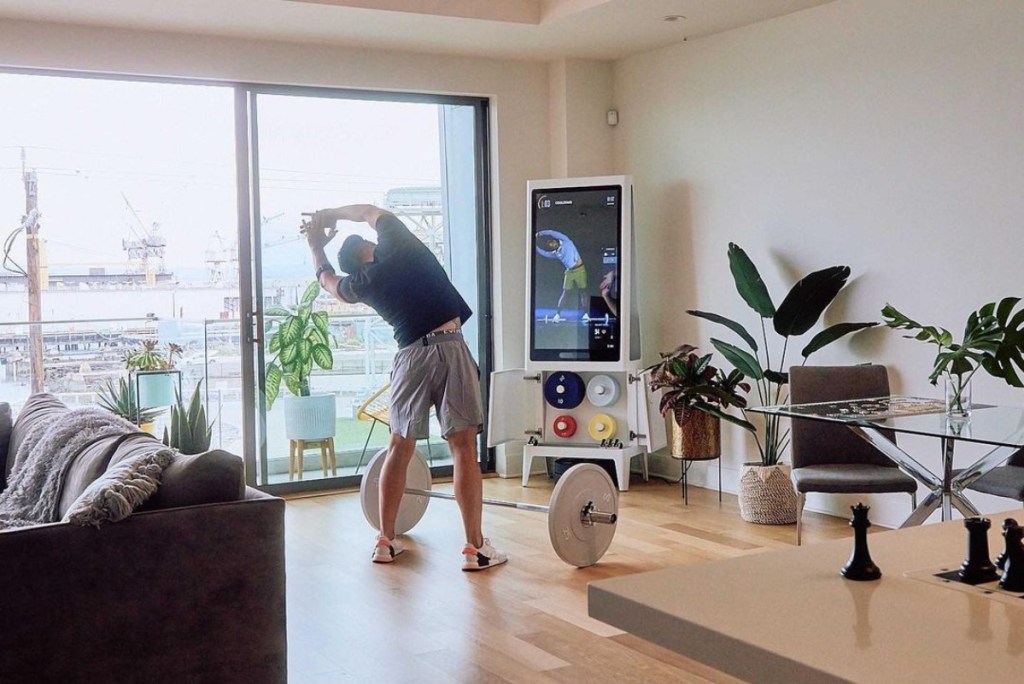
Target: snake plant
[120, 400]
[188, 431]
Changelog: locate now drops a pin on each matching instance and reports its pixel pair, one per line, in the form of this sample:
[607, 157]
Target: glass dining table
[999, 427]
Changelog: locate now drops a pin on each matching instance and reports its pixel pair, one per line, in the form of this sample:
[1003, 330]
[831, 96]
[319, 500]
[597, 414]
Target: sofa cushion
[5, 439]
[122, 489]
[212, 477]
[37, 408]
[90, 463]
[133, 445]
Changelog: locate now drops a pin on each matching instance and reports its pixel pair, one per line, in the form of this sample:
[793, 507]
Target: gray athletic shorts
[438, 371]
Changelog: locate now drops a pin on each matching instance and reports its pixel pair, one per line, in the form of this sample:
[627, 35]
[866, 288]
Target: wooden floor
[422, 620]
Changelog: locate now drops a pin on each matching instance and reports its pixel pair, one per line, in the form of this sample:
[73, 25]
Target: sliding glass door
[165, 214]
[416, 156]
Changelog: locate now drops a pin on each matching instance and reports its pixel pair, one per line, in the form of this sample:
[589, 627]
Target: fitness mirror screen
[576, 239]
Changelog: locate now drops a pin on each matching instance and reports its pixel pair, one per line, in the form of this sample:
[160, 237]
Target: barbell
[582, 515]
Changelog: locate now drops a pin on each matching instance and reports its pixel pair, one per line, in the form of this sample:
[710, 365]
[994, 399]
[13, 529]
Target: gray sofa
[188, 588]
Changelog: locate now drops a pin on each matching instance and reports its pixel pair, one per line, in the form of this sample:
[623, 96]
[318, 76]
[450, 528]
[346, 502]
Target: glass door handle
[251, 319]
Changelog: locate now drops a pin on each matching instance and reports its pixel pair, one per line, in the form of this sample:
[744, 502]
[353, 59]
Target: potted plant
[993, 339]
[766, 493]
[152, 369]
[696, 394]
[188, 432]
[298, 338]
[120, 400]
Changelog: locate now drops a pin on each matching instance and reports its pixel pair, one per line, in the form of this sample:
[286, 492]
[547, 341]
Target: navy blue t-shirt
[405, 284]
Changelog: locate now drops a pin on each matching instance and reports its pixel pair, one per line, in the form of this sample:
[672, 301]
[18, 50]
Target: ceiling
[520, 29]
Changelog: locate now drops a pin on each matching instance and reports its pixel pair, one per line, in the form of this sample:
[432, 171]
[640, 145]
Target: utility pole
[35, 305]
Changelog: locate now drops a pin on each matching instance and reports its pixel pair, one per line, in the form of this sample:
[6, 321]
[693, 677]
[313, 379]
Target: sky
[113, 158]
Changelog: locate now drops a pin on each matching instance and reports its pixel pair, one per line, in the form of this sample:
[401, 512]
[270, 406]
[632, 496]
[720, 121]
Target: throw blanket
[49, 448]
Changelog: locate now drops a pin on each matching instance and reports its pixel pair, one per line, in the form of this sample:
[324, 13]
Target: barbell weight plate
[602, 426]
[602, 390]
[574, 542]
[565, 426]
[412, 507]
[564, 390]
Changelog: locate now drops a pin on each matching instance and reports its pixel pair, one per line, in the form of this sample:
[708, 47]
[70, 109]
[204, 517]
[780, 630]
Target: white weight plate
[602, 390]
[412, 508]
[575, 543]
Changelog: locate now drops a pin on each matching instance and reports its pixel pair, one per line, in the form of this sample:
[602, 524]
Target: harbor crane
[146, 250]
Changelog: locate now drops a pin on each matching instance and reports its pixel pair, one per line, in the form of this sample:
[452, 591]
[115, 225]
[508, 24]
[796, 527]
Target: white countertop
[788, 616]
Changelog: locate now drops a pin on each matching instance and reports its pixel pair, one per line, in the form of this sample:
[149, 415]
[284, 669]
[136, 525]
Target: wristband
[323, 268]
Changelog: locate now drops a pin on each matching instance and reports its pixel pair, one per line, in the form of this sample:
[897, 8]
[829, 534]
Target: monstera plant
[798, 312]
[993, 339]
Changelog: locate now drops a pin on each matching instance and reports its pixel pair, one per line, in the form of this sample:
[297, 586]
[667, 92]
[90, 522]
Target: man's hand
[320, 229]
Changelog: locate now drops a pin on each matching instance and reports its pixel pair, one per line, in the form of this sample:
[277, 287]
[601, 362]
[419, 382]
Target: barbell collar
[598, 517]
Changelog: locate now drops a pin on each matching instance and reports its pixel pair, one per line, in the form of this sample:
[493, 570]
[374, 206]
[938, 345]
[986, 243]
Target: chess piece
[978, 567]
[860, 567]
[1001, 560]
[1013, 570]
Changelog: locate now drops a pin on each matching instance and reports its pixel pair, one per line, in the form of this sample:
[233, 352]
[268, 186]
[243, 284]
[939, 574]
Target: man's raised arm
[360, 213]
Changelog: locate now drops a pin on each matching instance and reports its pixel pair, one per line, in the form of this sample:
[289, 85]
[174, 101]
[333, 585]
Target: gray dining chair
[829, 458]
[1006, 481]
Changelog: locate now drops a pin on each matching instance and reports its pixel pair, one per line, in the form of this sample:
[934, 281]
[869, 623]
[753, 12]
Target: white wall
[581, 93]
[888, 136]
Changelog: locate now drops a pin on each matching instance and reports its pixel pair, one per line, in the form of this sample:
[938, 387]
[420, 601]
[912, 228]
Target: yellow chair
[378, 409]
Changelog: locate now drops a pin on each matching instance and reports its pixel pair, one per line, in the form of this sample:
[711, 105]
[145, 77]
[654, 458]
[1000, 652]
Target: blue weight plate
[564, 390]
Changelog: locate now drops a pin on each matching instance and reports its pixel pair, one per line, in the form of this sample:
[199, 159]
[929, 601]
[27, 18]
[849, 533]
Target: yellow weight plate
[602, 426]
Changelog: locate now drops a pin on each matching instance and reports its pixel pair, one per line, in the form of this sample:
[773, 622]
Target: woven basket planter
[766, 495]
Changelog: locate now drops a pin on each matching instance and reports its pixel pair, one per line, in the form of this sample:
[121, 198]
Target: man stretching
[403, 282]
[554, 245]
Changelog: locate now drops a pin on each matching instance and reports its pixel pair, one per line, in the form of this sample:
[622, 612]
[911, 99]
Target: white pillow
[120, 490]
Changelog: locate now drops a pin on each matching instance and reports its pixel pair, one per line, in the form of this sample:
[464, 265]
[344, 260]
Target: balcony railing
[81, 356]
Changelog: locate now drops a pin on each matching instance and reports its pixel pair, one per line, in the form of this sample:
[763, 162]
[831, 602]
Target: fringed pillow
[120, 490]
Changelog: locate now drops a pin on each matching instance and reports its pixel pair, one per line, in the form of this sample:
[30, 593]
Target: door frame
[251, 268]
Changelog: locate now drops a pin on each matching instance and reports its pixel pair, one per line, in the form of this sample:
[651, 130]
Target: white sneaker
[385, 550]
[486, 556]
[557, 319]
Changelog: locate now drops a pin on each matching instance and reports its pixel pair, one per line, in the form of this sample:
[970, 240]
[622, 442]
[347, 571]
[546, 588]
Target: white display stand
[581, 394]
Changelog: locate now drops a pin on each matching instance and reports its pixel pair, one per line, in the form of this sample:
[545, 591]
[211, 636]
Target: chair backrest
[815, 442]
[1016, 458]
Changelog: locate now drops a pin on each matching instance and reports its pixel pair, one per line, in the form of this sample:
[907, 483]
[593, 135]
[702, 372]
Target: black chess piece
[860, 567]
[1001, 560]
[978, 567]
[1013, 570]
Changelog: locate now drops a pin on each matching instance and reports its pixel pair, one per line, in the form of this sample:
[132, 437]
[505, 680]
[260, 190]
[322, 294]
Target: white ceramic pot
[155, 389]
[308, 418]
[766, 494]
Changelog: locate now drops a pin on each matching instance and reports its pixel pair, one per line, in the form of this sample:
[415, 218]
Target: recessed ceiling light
[673, 17]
